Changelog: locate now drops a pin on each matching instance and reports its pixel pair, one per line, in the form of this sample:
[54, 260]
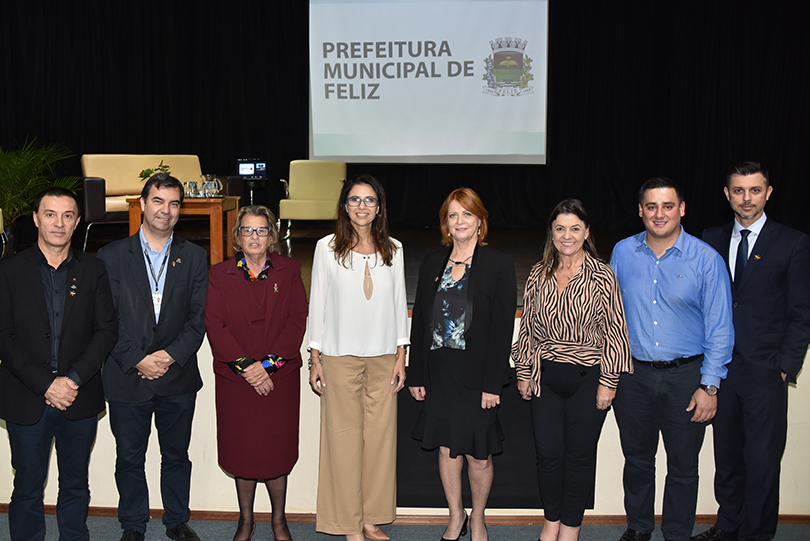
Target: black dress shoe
[182, 532]
[132, 535]
[713, 534]
[632, 535]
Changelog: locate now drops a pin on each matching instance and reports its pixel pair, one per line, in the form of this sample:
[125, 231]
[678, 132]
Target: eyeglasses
[248, 231]
[354, 201]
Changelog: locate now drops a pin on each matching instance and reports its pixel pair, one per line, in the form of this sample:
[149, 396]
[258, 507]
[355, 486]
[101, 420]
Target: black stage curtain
[637, 89]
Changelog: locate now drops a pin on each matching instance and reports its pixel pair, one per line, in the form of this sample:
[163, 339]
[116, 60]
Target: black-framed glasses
[248, 231]
[354, 201]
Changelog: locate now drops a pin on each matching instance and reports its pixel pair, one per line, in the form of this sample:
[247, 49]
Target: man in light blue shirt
[677, 302]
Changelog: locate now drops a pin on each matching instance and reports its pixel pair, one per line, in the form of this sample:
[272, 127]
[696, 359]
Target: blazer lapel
[34, 279]
[173, 268]
[725, 242]
[273, 291]
[137, 272]
[468, 316]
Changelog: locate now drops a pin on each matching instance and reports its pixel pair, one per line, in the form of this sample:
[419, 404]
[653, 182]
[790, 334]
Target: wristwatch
[711, 390]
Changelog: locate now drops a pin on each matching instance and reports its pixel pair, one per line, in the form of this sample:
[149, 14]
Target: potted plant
[26, 171]
[162, 168]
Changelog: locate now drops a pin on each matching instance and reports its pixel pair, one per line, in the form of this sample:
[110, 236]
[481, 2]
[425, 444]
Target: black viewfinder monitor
[251, 168]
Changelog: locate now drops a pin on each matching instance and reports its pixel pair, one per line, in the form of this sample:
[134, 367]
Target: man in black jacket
[57, 325]
[159, 283]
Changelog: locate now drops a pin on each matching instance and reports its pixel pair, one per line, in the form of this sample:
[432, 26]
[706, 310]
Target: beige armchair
[312, 191]
[110, 179]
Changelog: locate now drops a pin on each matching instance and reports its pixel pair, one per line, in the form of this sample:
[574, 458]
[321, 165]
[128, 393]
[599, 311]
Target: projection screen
[444, 81]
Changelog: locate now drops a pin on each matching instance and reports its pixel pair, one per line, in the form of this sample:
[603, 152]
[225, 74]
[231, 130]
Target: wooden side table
[213, 207]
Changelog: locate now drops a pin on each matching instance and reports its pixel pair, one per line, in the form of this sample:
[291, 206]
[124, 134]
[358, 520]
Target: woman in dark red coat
[255, 316]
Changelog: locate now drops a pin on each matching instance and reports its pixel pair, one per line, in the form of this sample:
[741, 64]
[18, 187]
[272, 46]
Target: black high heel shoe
[463, 529]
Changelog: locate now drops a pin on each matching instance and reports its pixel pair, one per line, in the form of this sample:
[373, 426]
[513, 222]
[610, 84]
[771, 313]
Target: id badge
[157, 299]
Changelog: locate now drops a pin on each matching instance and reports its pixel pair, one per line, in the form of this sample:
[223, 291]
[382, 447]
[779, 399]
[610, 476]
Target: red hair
[469, 200]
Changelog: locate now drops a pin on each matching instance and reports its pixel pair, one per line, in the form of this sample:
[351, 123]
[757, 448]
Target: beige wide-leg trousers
[357, 477]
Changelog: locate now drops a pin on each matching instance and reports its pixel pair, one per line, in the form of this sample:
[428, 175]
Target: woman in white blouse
[358, 332]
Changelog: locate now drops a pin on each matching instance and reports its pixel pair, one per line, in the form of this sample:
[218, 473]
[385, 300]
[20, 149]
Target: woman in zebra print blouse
[571, 349]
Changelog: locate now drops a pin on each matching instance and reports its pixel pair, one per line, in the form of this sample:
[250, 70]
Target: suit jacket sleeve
[126, 352]
[797, 331]
[419, 320]
[224, 345]
[289, 340]
[32, 371]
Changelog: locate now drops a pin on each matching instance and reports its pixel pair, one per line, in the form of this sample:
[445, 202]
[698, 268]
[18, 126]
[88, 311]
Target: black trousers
[30, 453]
[567, 425]
[750, 431]
[131, 425]
[648, 402]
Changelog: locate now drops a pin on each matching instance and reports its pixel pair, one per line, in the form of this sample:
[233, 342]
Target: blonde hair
[255, 210]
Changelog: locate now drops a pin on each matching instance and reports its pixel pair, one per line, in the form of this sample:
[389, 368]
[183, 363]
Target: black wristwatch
[711, 390]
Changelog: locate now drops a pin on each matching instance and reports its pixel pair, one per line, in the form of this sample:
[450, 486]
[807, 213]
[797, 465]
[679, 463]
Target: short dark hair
[57, 191]
[747, 168]
[656, 183]
[162, 180]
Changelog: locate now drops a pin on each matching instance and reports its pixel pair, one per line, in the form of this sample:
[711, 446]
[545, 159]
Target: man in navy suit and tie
[159, 283]
[769, 265]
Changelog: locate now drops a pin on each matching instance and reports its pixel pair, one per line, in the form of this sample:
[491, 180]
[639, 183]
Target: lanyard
[152, 268]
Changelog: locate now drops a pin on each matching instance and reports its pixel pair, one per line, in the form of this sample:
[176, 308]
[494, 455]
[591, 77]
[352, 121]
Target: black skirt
[451, 414]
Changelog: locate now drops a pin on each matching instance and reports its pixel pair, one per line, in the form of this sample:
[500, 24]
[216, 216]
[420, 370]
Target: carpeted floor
[107, 529]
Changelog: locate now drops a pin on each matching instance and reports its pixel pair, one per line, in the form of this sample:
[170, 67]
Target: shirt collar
[641, 241]
[44, 260]
[241, 263]
[145, 243]
[755, 228]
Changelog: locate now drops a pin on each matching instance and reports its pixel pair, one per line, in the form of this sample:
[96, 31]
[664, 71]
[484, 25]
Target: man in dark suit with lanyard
[57, 325]
[769, 265]
[159, 283]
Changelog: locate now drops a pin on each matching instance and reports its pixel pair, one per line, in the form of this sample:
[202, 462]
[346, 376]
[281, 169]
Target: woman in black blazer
[461, 332]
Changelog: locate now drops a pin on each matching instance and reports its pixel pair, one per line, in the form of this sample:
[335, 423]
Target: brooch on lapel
[73, 288]
[275, 288]
[757, 257]
[176, 262]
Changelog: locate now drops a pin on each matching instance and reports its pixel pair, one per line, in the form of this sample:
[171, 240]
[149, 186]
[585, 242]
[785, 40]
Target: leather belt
[660, 365]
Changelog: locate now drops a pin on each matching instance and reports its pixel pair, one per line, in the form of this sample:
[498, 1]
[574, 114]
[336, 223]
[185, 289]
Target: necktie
[742, 257]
